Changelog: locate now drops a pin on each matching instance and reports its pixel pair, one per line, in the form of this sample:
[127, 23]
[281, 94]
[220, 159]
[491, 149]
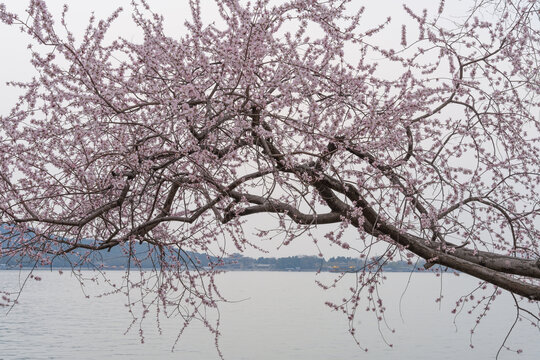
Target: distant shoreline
[116, 260]
[67, 269]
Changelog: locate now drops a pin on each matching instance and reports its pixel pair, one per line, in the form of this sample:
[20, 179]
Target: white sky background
[15, 65]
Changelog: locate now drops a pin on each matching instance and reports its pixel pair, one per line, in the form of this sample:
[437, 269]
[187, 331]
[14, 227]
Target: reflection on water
[282, 316]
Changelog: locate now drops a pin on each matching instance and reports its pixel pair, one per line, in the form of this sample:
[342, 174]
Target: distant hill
[146, 256]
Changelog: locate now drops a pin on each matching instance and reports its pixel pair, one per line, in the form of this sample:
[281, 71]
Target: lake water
[282, 316]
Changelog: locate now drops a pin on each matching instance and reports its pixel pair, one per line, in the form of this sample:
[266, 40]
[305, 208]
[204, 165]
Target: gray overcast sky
[16, 66]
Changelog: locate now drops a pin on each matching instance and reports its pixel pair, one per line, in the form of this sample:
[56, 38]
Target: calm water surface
[282, 316]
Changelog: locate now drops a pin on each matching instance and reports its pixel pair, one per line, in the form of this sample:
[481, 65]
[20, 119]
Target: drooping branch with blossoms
[279, 110]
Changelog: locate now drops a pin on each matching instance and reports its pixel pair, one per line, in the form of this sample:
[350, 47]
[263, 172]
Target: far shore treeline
[117, 259]
[145, 256]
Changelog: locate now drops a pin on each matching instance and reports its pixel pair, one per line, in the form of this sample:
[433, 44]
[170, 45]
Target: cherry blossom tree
[288, 111]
